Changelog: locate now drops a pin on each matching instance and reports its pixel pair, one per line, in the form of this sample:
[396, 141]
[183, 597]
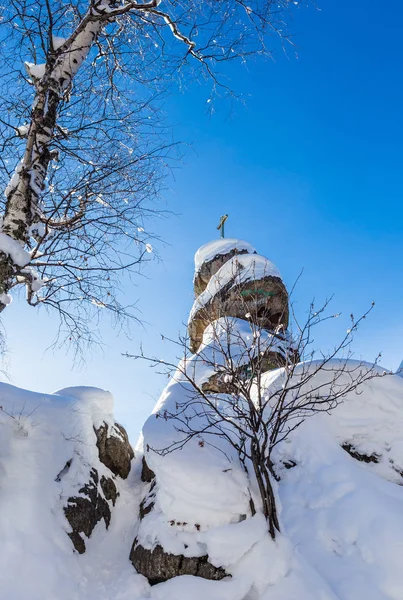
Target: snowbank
[341, 518]
[47, 449]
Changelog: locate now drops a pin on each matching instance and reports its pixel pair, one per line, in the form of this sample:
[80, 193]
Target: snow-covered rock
[236, 283]
[58, 495]
[210, 258]
[188, 515]
[244, 297]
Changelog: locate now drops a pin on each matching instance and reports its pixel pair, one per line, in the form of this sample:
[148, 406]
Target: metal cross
[221, 224]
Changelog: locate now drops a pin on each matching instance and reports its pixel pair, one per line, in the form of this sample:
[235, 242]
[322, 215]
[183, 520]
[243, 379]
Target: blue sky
[309, 170]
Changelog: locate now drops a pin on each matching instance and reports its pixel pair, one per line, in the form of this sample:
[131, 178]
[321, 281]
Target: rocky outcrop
[265, 300]
[211, 267]
[95, 500]
[114, 449]
[158, 565]
[93, 504]
[147, 475]
[232, 281]
[367, 458]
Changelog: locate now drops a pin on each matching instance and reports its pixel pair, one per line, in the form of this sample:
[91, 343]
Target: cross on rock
[221, 224]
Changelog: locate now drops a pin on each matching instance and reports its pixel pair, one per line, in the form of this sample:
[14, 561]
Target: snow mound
[340, 499]
[220, 246]
[47, 451]
[340, 493]
[97, 402]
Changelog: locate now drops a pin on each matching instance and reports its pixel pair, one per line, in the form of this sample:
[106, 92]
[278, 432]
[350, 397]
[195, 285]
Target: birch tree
[84, 149]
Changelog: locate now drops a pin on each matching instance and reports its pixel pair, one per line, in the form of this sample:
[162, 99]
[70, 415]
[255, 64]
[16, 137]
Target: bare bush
[252, 388]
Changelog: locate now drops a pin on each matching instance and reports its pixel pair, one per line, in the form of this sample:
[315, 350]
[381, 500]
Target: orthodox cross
[221, 224]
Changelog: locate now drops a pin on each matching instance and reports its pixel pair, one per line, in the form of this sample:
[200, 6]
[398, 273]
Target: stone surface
[217, 384]
[368, 458]
[85, 511]
[114, 449]
[147, 475]
[266, 300]
[109, 489]
[158, 565]
[210, 268]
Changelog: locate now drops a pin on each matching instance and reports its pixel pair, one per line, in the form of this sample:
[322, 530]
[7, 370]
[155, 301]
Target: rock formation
[97, 497]
[237, 292]
[236, 283]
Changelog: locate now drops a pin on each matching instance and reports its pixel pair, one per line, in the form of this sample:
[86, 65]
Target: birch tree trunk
[23, 193]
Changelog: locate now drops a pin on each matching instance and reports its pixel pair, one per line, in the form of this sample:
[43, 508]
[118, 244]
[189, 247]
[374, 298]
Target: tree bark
[266, 490]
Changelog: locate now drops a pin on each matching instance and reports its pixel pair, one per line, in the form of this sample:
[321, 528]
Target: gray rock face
[114, 449]
[266, 300]
[210, 268]
[217, 384]
[147, 475]
[96, 498]
[85, 511]
[158, 565]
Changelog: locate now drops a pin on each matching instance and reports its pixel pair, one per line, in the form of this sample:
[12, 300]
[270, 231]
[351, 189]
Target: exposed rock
[250, 289]
[114, 448]
[210, 268]
[266, 300]
[158, 565]
[147, 475]
[217, 384]
[147, 503]
[85, 511]
[109, 489]
[368, 458]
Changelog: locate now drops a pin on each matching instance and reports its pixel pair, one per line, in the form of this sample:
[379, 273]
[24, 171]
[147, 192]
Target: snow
[40, 433]
[12, 184]
[6, 298]
[220, 246]
[23, 130]
[35, 71]
[236, 271]
[341, 519]
[14, 249]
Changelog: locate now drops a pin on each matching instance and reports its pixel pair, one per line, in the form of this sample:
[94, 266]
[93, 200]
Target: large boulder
[190, 492]
[210, 258]
[246, 286]
[114, 448]
[158, 565]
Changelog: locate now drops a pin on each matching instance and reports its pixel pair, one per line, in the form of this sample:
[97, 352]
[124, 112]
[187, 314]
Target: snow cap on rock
[99, 402]
[221, 246]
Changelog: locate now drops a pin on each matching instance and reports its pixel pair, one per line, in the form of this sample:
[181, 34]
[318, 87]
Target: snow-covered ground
[38, 435]
[341, 519]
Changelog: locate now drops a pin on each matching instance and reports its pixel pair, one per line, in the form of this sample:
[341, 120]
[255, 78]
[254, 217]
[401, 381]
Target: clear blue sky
[310, 172]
